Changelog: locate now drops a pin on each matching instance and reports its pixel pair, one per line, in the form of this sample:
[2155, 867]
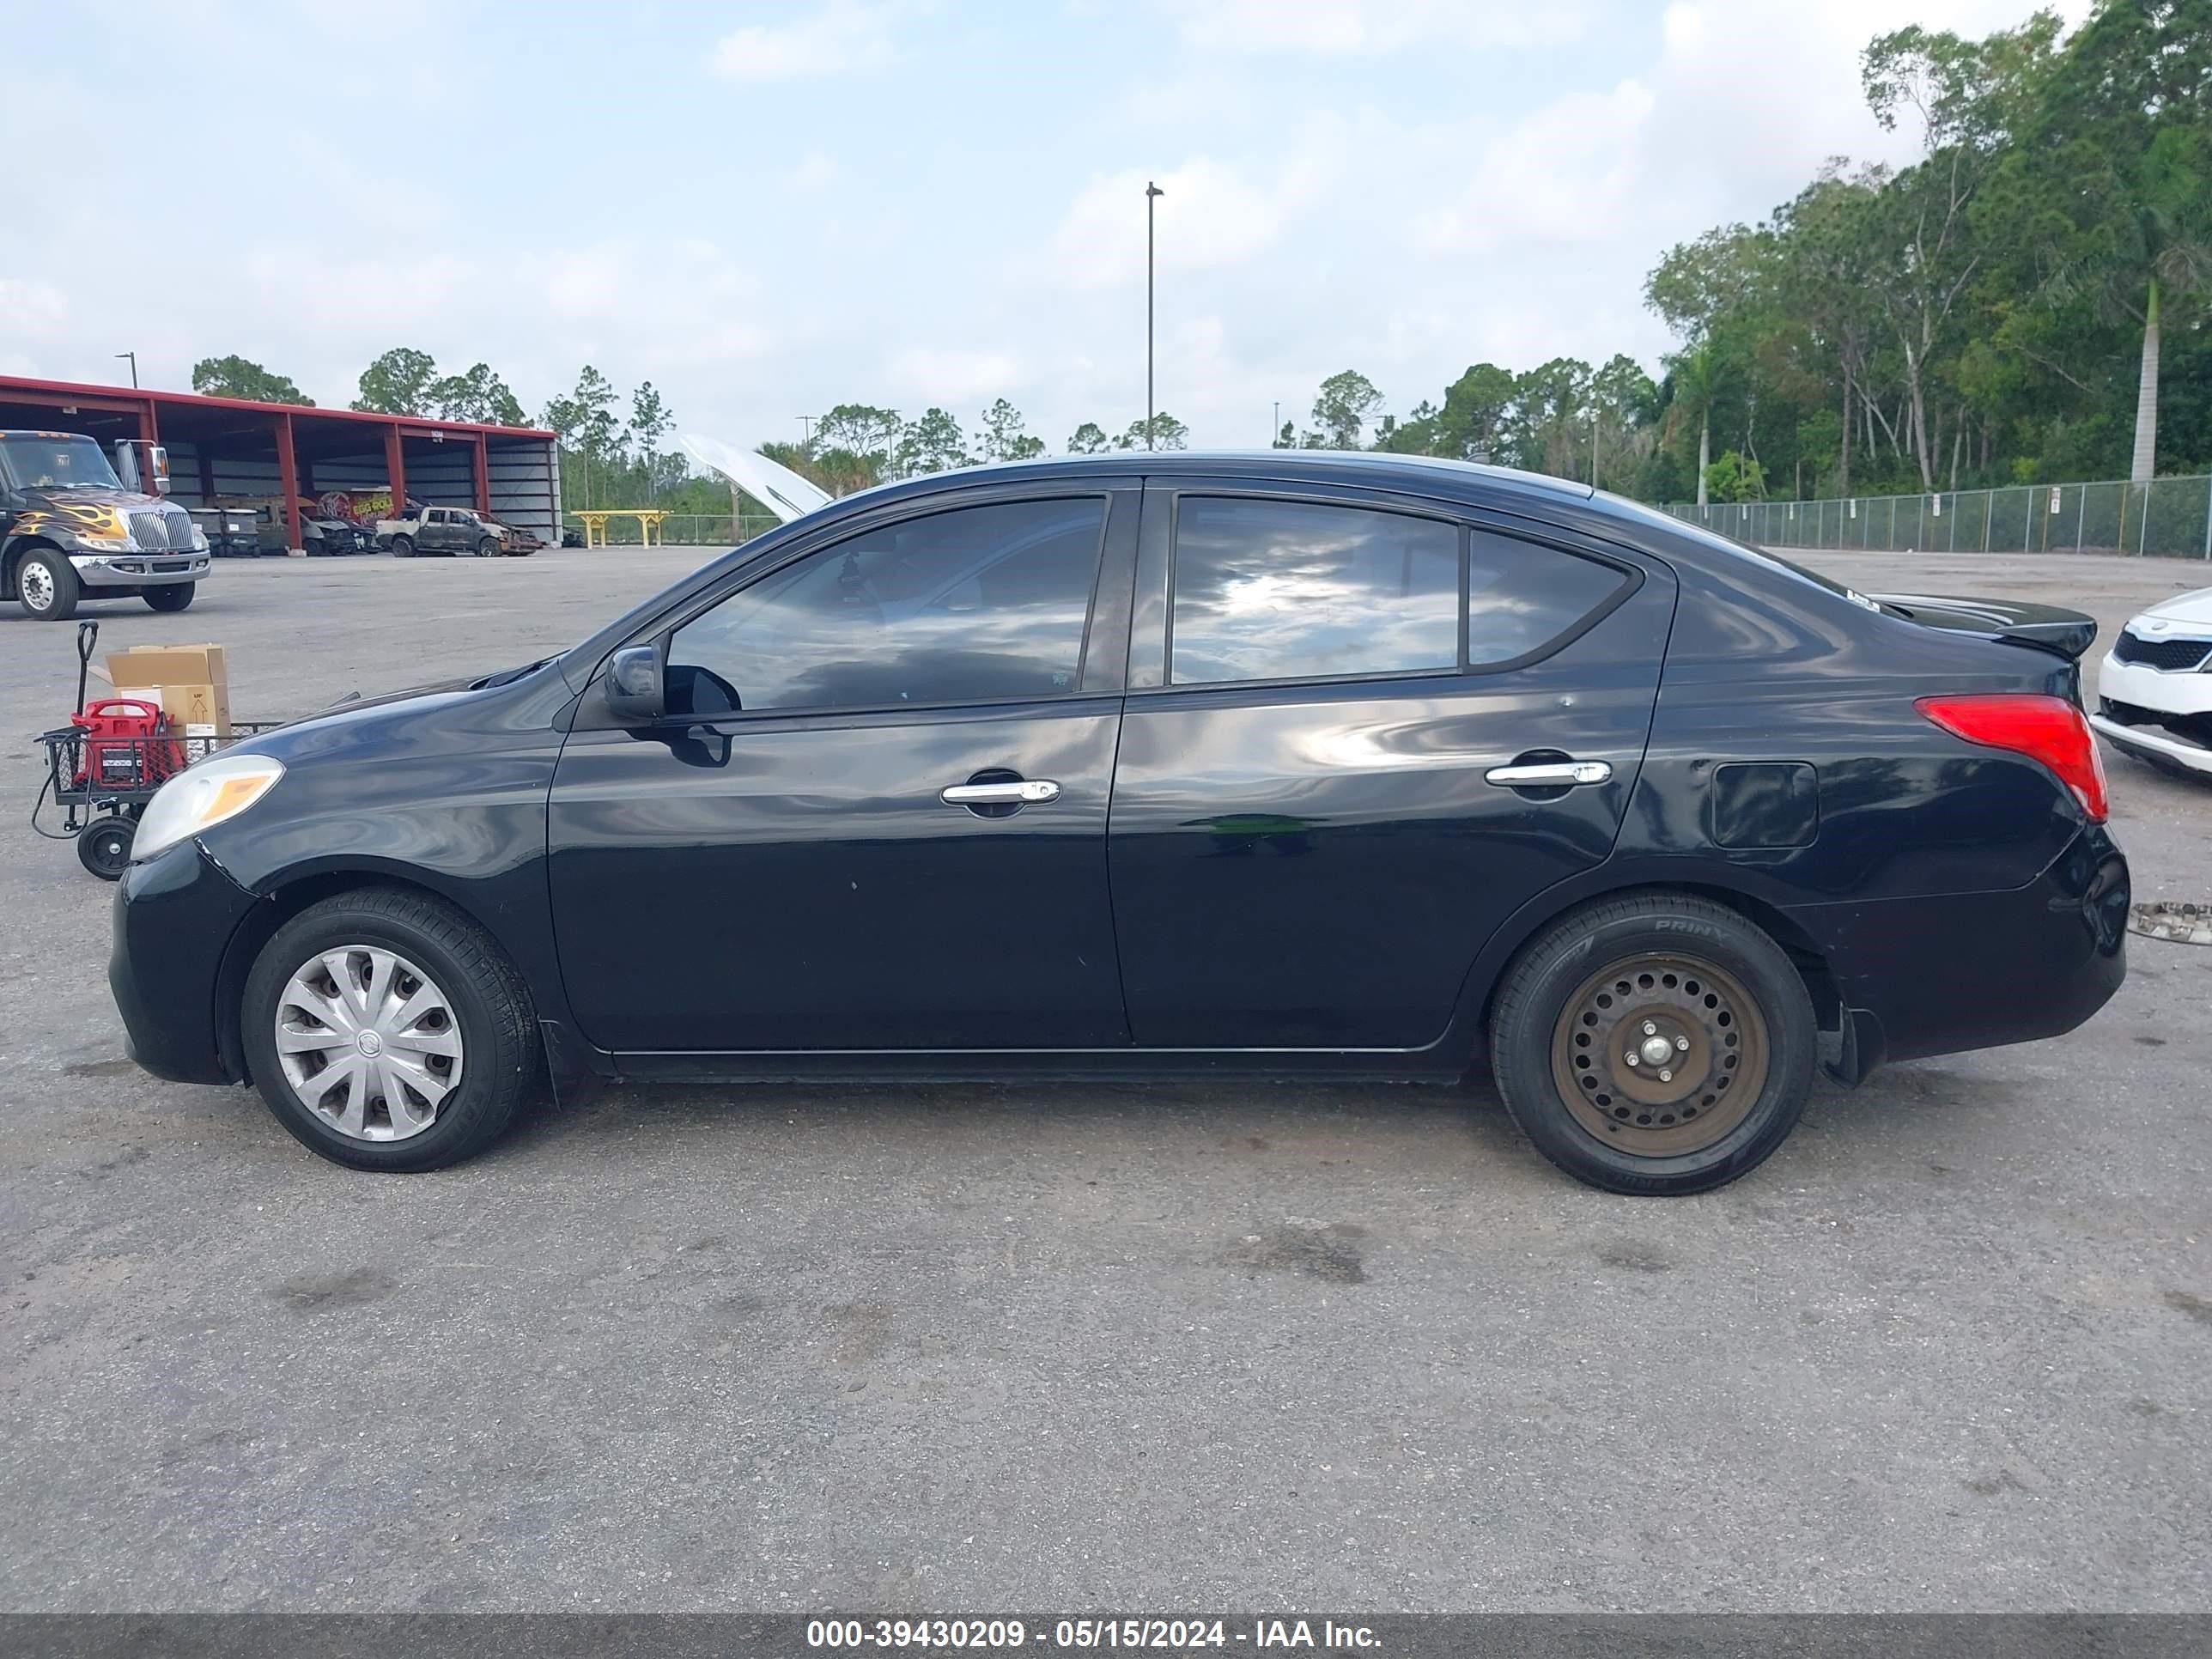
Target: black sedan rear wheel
[1659, 1044]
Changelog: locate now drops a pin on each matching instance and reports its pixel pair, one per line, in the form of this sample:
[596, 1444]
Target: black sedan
[1148, 765]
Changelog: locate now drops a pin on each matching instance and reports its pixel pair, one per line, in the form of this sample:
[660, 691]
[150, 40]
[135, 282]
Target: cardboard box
[191, 683]
[169, 665]
[204, 707]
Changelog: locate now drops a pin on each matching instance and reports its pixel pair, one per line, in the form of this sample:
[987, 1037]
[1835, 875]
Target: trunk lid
[2049, 627]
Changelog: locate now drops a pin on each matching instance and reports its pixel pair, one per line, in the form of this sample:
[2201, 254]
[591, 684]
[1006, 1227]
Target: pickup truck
[452, 530]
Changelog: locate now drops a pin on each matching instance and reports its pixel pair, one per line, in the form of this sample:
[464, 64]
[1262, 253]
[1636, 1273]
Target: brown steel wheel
[1660, 1054]
[1655, 1043]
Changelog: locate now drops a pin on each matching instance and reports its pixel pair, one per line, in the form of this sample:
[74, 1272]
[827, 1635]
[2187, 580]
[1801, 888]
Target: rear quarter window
[1521, 597]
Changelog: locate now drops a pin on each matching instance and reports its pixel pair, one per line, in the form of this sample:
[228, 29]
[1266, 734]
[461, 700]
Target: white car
[2155, 691]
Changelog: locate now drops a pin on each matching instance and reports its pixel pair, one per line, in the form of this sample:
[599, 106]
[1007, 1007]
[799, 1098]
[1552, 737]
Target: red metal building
[225, 447]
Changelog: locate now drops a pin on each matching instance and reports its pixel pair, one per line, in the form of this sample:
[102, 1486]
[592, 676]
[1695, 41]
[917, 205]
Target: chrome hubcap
[37, 583]
[368, 1043]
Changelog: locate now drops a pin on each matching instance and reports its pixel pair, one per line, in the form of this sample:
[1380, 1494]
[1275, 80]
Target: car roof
[1426, 475]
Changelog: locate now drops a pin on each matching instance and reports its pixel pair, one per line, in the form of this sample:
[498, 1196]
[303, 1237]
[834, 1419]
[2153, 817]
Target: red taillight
[2048, 729]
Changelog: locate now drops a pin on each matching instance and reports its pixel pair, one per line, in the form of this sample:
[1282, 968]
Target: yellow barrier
[648, 524]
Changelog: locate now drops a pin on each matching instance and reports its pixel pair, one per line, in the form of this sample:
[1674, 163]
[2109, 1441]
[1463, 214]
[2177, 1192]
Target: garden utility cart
[105, 765]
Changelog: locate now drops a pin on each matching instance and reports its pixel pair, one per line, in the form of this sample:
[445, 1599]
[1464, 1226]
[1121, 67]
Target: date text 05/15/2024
[1001, 1634]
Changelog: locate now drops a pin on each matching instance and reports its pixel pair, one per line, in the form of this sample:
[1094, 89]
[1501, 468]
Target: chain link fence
[2167, 516]
[684, 529]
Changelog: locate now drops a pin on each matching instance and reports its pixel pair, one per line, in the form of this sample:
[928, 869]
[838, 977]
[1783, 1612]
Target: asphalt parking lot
[963, 1349]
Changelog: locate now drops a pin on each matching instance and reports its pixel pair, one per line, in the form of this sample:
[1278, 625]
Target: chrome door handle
[1025, 792]
[1549, 775]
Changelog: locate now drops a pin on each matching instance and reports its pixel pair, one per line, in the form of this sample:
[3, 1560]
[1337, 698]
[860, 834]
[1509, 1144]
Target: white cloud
[953, 378]
[815, 171]
[840, 37]
[1337, 29]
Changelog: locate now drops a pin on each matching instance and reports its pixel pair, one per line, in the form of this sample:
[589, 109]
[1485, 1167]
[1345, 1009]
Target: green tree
[397, 383]
[235, 377]
[861, 431]
[1470, 425]
[934, 443]
[1089, 439]
[1003, 437]
[478, 395]
[1734, 477]
[650, 422]
[1347, 401]
[1167, 433]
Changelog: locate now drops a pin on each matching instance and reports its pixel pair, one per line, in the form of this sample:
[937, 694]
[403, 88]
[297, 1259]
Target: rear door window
[1279, 590]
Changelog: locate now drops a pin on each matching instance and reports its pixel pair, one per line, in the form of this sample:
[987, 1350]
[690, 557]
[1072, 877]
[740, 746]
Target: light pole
[1152, 191]
[133, 357]
[1275, 432]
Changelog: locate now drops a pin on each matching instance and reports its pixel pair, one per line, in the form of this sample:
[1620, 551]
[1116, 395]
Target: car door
[439, 530]
[1324, 802]
[875, 817]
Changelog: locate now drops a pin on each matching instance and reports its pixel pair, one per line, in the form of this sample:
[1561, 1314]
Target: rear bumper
[1939, 976]
[174, 918]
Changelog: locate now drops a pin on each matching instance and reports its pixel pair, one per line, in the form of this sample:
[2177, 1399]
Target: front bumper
[2150, 742]
[1944, 975]
[175, 917]
[138, 569]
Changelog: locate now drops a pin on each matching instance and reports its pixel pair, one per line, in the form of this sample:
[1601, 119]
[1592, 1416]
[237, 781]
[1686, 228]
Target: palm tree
[1694, 375]
[2157, 248]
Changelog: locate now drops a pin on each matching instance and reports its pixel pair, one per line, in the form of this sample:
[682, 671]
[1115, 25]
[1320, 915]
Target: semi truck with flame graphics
[71, 529]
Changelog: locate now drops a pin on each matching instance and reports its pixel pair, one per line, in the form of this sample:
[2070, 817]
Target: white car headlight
[200, 797]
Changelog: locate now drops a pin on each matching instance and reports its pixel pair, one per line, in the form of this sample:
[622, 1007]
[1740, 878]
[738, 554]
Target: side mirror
[633, 685]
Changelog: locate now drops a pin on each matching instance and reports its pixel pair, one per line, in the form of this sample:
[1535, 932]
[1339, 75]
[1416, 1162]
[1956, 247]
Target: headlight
[200, 797]
[107, 543]
[199, 540]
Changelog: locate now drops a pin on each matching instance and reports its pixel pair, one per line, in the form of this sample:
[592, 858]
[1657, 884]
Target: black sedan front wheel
[1654, 1045]
[387, 1031]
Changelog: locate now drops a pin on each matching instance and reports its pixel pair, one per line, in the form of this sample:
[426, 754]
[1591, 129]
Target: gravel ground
[970, 1349]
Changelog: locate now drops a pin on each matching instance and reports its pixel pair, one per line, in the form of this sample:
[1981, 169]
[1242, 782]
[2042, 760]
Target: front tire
[1583, 1015]
[46, 584]
[174, 596]
[387, 1031]
[487, 548]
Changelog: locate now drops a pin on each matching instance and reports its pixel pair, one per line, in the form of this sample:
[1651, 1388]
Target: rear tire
[46, 584]
[480, 1000]
[172, 596]
[1725, 1001]
[403, 547]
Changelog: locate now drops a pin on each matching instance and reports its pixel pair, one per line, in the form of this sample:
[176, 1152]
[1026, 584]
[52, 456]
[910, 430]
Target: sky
[770, 208]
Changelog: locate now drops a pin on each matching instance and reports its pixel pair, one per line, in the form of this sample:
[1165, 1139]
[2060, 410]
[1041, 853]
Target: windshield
[37, 461]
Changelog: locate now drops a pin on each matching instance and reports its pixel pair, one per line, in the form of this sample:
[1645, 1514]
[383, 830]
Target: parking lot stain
[1633, 1258]
[323, 1292]
[101, 1068]
[864, 1331]
[2188, 1301]
[1329, 1253]
[2152, 1041]
[122, 1160]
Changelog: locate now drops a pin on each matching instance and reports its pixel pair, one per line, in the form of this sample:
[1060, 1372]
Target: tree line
[2030, 301]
